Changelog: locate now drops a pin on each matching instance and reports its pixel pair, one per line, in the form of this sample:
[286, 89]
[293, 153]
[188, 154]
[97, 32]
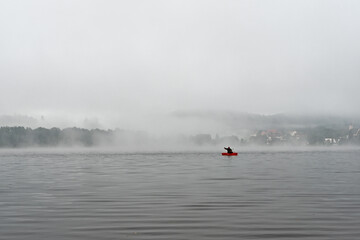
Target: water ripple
[277, 195]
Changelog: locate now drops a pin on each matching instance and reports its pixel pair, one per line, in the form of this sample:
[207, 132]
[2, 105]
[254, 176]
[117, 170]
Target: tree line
[13, 137]
[17, 137]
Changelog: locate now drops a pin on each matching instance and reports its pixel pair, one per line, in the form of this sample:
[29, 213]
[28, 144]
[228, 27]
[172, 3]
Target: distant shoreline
[21, 137]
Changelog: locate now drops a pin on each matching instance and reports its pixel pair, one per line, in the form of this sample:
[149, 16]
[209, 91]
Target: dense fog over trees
[261, 130]
[27, 137]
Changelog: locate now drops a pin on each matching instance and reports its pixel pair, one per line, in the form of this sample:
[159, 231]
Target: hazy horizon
[133, 64]
[187, 123]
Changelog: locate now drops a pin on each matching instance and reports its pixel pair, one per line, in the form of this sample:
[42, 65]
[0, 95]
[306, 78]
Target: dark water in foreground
[256, 195]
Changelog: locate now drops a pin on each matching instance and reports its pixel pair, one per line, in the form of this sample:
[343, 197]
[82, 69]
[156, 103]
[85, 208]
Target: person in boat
[228, 149]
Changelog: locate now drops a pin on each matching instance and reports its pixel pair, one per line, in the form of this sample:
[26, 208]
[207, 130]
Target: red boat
[229, 154]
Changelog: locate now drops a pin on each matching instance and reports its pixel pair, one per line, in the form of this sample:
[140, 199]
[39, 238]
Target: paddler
[228, 149]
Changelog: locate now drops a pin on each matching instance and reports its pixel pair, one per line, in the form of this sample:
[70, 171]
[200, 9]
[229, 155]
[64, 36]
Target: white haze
[131, 64]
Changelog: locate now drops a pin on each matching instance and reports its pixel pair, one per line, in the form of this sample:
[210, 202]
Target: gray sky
[121, 63]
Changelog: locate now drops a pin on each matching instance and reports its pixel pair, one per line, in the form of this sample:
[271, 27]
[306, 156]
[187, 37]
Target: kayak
[229, 154]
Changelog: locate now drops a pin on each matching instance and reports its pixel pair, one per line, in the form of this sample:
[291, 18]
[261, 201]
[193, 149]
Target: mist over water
[114, 114]
[189, 130]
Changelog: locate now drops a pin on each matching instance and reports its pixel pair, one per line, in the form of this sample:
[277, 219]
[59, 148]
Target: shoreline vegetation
[21, 137]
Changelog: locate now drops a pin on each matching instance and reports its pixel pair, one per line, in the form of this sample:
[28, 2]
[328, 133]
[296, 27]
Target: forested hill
[18, 137]
[26, 137]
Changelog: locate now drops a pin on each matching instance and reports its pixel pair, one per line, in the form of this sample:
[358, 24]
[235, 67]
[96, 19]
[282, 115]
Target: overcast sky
[118, 62]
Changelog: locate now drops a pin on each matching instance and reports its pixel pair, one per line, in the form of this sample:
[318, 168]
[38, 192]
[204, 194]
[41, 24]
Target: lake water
[109, 195]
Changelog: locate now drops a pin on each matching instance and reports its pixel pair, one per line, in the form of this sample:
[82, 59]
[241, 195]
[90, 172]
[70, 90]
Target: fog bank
[124, 63]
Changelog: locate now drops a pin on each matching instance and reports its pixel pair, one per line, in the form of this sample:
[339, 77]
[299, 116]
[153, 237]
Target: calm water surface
[256, 195]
